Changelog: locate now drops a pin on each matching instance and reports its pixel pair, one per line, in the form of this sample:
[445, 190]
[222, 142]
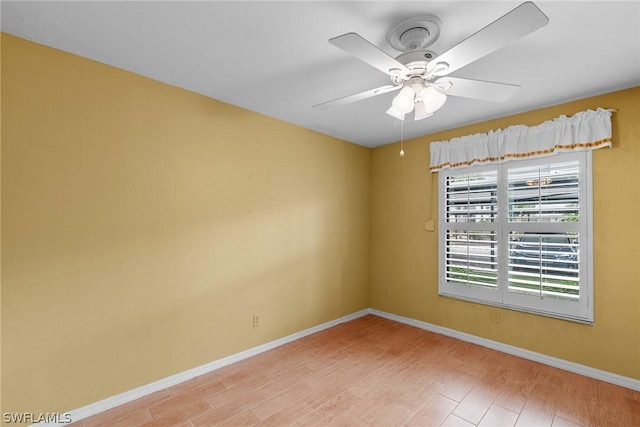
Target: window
[518, 235]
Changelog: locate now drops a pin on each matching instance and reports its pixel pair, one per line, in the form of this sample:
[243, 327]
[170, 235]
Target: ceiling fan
[422, 77]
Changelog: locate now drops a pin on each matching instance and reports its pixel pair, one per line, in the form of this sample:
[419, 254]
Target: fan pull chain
[402, 138]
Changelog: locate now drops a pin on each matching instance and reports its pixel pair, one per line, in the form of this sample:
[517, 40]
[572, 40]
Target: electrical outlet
[256, 320]
[495, 316]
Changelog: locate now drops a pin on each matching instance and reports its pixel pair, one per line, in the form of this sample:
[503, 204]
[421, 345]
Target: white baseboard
[128, 396]
[576, 368]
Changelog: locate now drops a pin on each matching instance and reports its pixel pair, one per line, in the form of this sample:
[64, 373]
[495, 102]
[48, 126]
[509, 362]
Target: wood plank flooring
[375, 372]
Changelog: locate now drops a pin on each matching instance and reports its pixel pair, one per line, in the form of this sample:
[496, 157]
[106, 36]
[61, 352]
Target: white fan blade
[357, 97]
[521, 21]
[478, 89]
[357, 46]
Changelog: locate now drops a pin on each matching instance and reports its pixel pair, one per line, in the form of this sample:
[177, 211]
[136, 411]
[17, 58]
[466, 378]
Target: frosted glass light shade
[404, 101]
[433, 99]
[420, 111]
[395, 113]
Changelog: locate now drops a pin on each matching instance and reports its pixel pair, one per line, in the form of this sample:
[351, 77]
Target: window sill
[519, 309]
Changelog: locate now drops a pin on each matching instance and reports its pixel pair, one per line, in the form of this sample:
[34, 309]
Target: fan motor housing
[418, 57]
[416, 61]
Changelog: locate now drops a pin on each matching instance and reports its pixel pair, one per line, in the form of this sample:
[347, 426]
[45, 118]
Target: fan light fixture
[420, 111]
[432, 98]
[418, 97]
[403, 102]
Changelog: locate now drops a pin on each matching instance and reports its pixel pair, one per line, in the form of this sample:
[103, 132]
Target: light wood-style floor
[375, 372]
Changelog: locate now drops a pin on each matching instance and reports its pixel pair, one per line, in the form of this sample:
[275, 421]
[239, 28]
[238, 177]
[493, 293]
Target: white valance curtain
[586, 130]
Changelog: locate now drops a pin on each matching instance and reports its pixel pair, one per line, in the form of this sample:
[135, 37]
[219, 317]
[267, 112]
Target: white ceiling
[273, 57]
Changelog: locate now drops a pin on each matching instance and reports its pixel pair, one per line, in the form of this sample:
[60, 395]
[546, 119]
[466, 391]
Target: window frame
[579, 311]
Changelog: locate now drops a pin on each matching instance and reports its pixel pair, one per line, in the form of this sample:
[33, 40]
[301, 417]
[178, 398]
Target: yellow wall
[0, 227]
[404, 255]
[143, 225]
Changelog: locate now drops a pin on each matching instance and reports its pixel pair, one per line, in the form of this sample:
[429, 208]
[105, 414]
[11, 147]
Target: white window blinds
[518, 235]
